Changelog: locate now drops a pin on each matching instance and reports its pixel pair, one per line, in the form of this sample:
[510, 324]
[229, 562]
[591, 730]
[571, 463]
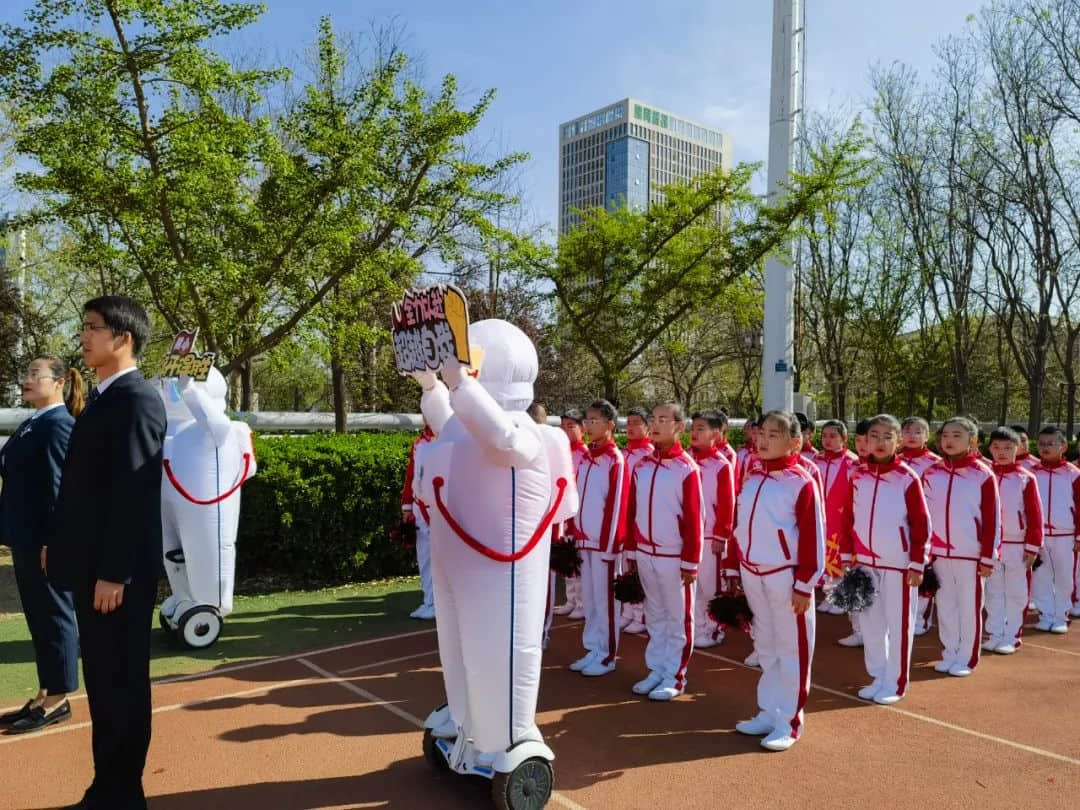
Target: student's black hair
[1020, 429]
[713, 418]
[786, 420]
[574, 415]
[804, 422]
[605, 409]
[640, 411]
[886, 419]
[862, 427]
[1005, 434]
[1051, 430]
[122, 314]
[538, 413]
[915, 420]
[963, 421]
[677, 410]
[837, 425]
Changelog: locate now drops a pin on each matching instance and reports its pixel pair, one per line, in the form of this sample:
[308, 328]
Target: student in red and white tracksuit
[1024, 457]
[888, 532]
[664, 538]
[603, 487]
[779, 555]
[415, 511]
[1052, 585]
[965, 515]
[718, 509]
[638, 446]
[835, 464]
[915, 433]
[807, 452]
[1009, 588]
[747, 453]
[573, 424]
[724, 446]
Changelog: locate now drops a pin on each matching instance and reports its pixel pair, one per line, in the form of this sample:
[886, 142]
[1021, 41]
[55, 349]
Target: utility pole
[785, 132]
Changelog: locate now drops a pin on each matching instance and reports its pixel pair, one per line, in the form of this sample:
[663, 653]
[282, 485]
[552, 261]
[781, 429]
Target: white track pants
[490, 621]
[669, 613]
[959, 608]
[601, 633]
[1007, 593]
[924, 613]
[549, 609]
[784, 643]
[1052, 583]
[423, 556]
[888, 630]
[573, 591]
[706, 590]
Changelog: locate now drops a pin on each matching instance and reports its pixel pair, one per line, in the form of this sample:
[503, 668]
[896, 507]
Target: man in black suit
[105, 542]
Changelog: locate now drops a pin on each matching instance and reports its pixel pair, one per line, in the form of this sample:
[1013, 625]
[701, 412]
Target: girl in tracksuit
[965, 516]
[1009, 587]
[887, 531]
[1053, 584]
[915, 434]
[638, 446]
[835, 464]
[779, 554]
[573, 424]
[664, 539]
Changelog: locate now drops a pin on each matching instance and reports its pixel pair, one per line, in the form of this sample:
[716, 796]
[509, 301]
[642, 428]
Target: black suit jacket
[107, 519]
[30, 464]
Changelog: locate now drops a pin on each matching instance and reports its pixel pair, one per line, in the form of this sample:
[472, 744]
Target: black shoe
[17, 715]
[39, 718]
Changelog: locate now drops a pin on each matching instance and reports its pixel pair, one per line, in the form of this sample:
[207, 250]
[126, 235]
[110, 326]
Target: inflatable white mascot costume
[494, 482]
[207, 457]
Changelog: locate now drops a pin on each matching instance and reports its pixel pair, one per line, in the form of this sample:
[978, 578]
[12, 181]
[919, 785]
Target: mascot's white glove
[427, 379]
[453, 372]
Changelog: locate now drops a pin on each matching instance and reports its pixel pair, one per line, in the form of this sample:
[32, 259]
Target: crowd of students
[781, 522]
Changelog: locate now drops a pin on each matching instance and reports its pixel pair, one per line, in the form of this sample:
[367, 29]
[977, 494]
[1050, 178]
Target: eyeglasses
[33, 376]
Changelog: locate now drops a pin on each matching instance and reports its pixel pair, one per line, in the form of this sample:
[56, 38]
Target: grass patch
[261, 626]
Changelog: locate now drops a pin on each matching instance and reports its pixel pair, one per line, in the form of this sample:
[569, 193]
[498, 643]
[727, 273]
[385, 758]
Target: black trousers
[50, 615]
[116, 667]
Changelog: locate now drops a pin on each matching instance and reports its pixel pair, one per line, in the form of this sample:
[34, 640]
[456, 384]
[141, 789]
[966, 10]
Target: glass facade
[626, 179]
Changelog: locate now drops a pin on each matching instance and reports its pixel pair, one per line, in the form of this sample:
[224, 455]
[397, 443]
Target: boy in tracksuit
[415, 511]
[888, 532]
[638, 446]
[1024, 457]
[718, 509]
[965, 517]
[779, 554]
[1009, 588]
[808, 451]
[747, 454]
[603, 485]
[835, 463]
[915, 435]
[722, 444]
[664, 538]
[1052, 585]
[573, 424]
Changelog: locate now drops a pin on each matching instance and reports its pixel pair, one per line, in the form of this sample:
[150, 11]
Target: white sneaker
[563, 609]
[960, 671]
[823, 607]
[854, 640]
[868, 692]
[1044, 625]
[1005, 649]
[888, 700]
[625, 621]
[650, 682]
[922, 630]
[584, 661]
[634, 627]
[943, 666]
[757, 726]
[666, 692]
[598, 668]
[752, 660]
[577, 613]
[991, 644]
[425, 612]
[779, 740]
[704, 641]
[1075, 612]
[1060, 629]
[837, 611]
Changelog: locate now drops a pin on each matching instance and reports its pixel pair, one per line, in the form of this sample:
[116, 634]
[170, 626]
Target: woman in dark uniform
[30, 465]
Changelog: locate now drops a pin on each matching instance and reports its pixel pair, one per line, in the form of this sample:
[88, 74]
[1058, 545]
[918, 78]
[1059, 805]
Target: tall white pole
[785, 125]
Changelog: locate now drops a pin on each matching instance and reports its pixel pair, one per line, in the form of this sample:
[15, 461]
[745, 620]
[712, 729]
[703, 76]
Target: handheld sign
[182, 360]
[430, 326]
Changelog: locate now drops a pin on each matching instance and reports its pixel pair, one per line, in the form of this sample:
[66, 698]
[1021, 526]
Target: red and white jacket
[744, 458]
[636, 450]
[1021, 510]
[965, 509]
[729, 453]
[408, 498]
[603, 483]
[808, 451]
[1059, 491]
[1027, 460]
[578, 451]
[717, 493]
[779, 524]
[835, 468]
[812, 468]
[919, 460]
[664, 513]
[888, 525]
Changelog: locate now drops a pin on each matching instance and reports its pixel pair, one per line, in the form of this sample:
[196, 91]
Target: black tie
[94, 394]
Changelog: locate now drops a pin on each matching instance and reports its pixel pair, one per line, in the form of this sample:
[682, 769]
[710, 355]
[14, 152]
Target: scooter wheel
[432, 753]
[199, 627]
[527, 787]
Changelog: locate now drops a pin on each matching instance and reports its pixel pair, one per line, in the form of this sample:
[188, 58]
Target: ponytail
[74, 399]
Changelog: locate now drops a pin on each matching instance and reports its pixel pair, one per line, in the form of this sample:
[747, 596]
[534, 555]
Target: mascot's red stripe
[179, 487]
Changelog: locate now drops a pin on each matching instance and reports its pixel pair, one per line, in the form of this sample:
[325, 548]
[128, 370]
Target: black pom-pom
[930, 582]
[405, 533]
[1038, 561]
[565, 558]
[854, 592]
[731, 610]
[628, 588]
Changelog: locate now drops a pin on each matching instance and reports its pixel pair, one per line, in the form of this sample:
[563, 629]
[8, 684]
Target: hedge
[322, 507]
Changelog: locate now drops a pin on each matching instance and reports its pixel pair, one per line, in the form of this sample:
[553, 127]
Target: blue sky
[706, 60]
